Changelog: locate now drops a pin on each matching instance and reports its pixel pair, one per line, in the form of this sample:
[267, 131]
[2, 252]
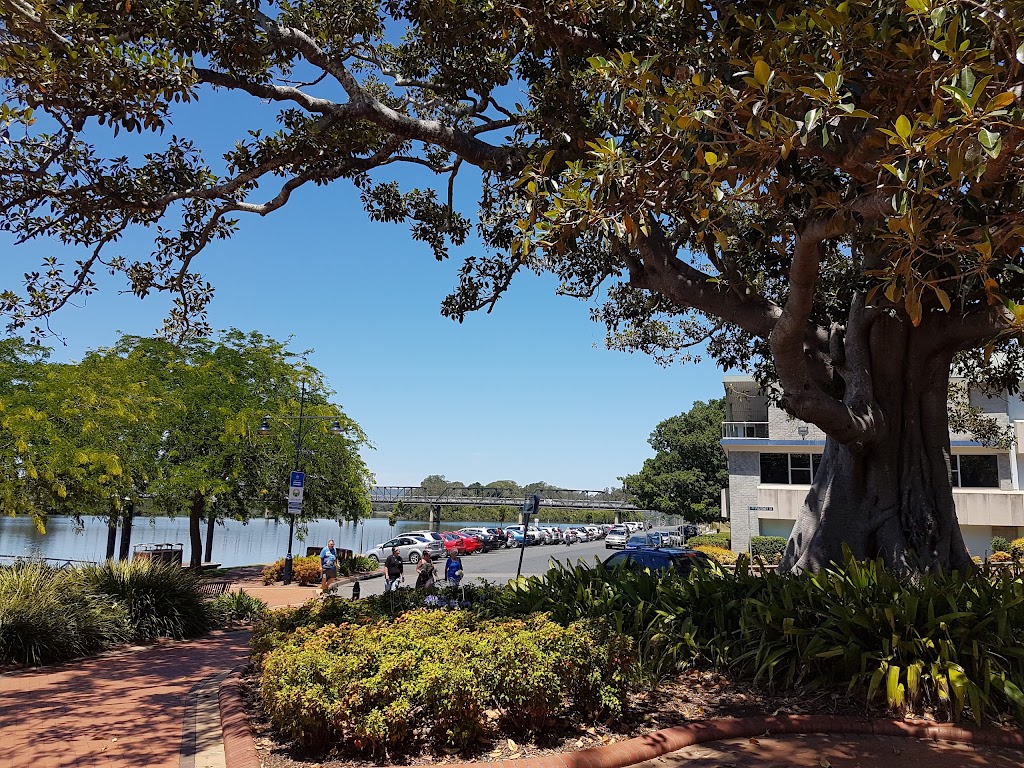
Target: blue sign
[298, 480]
[295, 506]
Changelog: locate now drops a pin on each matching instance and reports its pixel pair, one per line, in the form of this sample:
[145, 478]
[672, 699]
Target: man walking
[394, 571]
[328, 566]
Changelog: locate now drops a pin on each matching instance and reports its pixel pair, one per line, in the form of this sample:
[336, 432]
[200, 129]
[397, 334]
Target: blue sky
[526, 393]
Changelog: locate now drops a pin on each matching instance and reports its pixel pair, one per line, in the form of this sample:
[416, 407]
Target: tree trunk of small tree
[889, 496]
[126, 532]
[210, 522]
[195, 518]
[111, 534]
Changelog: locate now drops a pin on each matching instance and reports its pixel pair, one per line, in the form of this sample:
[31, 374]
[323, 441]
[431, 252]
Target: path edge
[240, 749]
[239, 746]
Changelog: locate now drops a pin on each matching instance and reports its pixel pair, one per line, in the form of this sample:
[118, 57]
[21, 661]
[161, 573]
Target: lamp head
[264, 428]
[336, 428]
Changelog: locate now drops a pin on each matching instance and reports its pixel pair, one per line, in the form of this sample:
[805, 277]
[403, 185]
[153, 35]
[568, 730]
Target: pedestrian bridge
[501, 497]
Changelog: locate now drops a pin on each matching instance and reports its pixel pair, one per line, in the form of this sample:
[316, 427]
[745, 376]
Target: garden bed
[694, 695]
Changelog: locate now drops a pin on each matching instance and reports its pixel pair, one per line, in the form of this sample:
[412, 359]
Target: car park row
[467, 541]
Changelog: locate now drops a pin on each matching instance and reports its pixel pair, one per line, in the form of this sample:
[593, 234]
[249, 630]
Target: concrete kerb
[240, 749]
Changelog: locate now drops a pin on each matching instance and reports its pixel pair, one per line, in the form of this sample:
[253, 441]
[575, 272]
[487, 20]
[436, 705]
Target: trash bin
[158, 553]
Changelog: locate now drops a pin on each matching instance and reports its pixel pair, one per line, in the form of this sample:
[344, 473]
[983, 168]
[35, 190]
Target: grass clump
[161, 599]
[49, 615]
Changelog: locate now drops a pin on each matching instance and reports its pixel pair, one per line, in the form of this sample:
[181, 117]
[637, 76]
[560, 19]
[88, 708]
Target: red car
[453, 543]
[470, 544]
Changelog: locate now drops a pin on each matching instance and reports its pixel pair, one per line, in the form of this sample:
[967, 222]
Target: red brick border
[239, 747]
[240, 750]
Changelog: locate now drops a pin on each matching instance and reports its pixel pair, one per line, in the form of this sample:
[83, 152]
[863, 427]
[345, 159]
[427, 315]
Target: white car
[617, 537]
[410, 548]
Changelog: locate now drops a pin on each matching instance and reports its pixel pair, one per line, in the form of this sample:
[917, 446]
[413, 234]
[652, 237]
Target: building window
[974, 471]
[789, 468]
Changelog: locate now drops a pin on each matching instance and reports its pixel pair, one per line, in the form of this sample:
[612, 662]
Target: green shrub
[1017, 549]
[49, 615]
[999, 544]
[952, 641]
[722, 540]
[238, 606]
[768, 548]
[161, 599]
[384, 686]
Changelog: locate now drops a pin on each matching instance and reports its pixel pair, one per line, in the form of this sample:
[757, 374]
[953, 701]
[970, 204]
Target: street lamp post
[296, 490]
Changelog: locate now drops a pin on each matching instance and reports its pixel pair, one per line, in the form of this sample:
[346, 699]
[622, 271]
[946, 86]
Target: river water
[234, 543]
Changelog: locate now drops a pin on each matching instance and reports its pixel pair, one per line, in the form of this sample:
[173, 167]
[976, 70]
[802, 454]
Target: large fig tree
[827, 192]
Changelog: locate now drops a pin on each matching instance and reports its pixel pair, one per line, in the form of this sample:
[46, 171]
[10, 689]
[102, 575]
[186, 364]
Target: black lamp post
[264, 429]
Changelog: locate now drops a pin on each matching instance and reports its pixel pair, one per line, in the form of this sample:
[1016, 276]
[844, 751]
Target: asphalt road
[500, 565]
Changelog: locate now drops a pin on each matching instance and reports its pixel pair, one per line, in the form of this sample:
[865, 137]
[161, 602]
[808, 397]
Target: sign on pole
[297, 480]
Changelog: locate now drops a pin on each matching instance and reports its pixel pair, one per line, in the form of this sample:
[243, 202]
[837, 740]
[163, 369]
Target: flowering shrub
[434, 676]
[1017, 549]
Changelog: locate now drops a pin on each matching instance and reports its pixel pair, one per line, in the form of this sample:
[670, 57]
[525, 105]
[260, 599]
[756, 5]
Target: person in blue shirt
[453, 569]
[328, 566]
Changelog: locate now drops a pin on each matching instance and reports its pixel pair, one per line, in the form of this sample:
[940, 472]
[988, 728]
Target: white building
[772, 458]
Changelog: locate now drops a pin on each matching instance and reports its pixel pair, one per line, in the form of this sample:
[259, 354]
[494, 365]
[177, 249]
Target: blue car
[649, 539]
[658, 560]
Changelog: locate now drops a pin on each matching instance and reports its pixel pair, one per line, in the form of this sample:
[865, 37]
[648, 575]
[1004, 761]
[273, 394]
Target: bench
[213, 588]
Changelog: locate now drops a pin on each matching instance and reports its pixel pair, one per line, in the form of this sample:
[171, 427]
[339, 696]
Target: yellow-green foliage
[720, 555]
[433, 675]
[1017, 549]
[1001, 557]
[306, 570]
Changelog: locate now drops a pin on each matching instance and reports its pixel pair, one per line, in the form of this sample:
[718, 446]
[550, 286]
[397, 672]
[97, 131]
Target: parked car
[648, 539]
[499, 536]
[433, 535]
[659, 561]
[578, 535]
[453, 544]
[410, 548]
[470, 544]
[533, 536]
[617, 537]
[487, 542]
[513, 537]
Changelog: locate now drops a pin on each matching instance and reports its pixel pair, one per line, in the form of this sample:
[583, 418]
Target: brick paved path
[125, 710]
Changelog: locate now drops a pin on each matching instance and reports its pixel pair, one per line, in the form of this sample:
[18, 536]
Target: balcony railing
[745, 429]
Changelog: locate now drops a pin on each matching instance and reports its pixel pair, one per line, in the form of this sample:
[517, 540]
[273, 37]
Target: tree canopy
[688, 472]
[174, 425]
[826, 192]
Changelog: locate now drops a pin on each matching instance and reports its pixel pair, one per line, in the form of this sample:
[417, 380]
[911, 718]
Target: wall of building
[744, 475]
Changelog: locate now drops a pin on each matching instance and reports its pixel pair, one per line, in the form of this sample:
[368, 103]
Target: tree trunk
[890, 496]
[210, 522]
[126, 532]
[195, 517]
[111, 534]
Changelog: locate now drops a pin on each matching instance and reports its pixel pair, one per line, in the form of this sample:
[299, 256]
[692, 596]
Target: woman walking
[425, 572]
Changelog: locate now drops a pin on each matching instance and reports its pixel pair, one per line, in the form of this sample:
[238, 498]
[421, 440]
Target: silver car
[617, 537]
[410, 547]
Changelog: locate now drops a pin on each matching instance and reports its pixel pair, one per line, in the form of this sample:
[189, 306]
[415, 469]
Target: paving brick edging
[240, 749]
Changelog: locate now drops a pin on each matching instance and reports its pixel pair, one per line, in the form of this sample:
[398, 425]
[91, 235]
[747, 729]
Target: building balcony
[745, 430]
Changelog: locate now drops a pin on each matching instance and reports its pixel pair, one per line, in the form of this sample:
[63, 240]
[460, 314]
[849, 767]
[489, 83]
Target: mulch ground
[695, 695]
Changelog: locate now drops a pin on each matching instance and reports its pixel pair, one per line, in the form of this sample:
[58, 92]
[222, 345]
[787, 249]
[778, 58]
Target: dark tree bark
[126, 532]
[111, 535]
[195, 539]
[210, 521]
[890, 495]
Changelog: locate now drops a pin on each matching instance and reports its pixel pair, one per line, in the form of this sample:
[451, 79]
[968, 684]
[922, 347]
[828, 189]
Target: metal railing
[745, 429]
[60, 563]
